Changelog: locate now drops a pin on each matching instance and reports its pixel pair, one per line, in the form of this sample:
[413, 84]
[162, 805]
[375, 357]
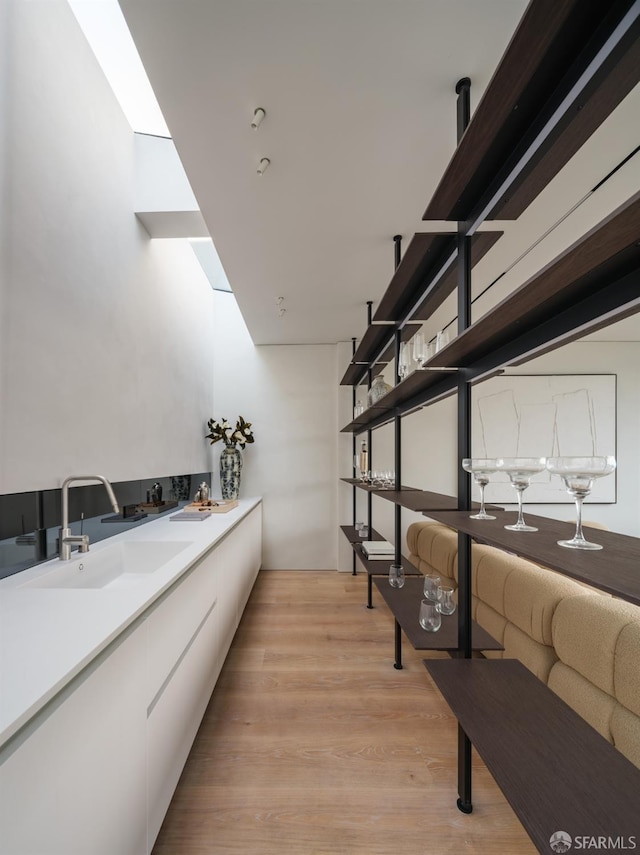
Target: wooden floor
[314, 745]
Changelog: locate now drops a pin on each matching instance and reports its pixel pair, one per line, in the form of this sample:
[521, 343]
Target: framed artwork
[545, 415]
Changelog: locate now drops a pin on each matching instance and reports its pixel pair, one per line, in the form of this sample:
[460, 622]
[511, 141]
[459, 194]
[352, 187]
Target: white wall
[4, 84]
[288, 393]
[106, 348]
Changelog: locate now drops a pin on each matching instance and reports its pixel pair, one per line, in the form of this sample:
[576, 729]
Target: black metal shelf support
[463, 105]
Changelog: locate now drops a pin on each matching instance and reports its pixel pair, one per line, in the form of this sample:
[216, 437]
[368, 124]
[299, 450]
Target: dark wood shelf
[591, 284]
[372, 342]
[425, 500]
[381, 567]
[355, 372]
[416, 390]
[352, 535]
[404, 604]
[550, 50]
[555, 770]
[613, 569]
[369, 488]
[427, 256]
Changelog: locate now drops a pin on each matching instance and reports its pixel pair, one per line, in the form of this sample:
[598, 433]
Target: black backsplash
[29, 522]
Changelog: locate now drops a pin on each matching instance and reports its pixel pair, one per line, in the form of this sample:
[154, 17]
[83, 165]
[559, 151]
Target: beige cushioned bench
[584, 645]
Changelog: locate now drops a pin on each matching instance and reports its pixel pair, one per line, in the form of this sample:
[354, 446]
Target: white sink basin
[116, 566]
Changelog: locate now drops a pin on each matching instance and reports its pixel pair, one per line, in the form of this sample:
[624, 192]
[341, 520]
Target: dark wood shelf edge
[612, 569]
[564, 776]
[349, 532]
[381, 568]
[551, 48]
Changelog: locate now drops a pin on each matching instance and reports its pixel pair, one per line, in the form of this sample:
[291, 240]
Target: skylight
[106, 31]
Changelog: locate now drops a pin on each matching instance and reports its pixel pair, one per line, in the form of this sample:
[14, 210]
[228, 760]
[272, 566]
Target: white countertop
[48, 635]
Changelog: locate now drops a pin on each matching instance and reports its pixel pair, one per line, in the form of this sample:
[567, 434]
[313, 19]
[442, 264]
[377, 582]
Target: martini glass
[578, 474]
[520, 471]
[481, 468]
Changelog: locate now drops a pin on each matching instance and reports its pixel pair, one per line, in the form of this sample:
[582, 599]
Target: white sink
[117, 566]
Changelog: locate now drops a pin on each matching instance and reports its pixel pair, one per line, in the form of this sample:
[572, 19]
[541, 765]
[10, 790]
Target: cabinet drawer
[172, 624]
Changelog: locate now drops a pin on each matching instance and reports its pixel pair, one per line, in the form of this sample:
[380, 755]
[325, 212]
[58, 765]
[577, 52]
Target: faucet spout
[66, 538]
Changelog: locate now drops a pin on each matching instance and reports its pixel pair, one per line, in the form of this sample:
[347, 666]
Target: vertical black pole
[397, 461]
[464, 450]
[369, 432]
[354, 450]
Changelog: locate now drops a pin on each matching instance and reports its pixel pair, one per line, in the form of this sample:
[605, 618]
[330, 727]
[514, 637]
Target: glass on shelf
[404, 361]
[520, 471]
[379, 388]
[430, 586]
[446, 605]
[578, 474]
[430, 618]
[396, 576]
[419, 348]
[442, 340]
[356, 467]
[481, 468]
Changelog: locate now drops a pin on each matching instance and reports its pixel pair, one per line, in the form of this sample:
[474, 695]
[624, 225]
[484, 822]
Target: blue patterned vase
[181, 487]
[230, 468]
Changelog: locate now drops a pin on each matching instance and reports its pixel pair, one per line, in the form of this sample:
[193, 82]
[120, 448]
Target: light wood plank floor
[314, 745]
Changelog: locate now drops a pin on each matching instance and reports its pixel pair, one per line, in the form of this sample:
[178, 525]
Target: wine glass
[419, 349]
[481, 468]
[404, 361]
[578, 474]
[520, 471]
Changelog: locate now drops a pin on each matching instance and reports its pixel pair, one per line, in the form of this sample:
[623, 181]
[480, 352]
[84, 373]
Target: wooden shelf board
[555, 770]
[381, 568]
[545, 56]
[408, 333]
[355, 372]
[613, 569]
[369, 488]
[405, 606]
[426, 256]
[352, 535]
[608, 251]
[506, 335]
[418, 500]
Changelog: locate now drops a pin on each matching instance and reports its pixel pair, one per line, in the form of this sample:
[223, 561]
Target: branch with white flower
[223, 432]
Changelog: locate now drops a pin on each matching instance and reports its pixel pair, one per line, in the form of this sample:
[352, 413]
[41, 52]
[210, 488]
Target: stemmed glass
[481, 468]
[404, 361]
[419, 349]
[520, 471]
[578, 474]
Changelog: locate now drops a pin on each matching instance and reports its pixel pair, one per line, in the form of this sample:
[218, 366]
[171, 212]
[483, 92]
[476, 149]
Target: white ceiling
[360, 123]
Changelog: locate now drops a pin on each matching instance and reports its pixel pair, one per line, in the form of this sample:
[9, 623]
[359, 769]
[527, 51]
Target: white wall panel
[288, 393]
[107, 344]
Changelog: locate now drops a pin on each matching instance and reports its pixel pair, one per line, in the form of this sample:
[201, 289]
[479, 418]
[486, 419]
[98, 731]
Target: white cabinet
[73, 781]
[93, 772]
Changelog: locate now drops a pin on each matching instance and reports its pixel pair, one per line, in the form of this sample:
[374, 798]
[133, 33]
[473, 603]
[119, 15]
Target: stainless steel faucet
[67, 540]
